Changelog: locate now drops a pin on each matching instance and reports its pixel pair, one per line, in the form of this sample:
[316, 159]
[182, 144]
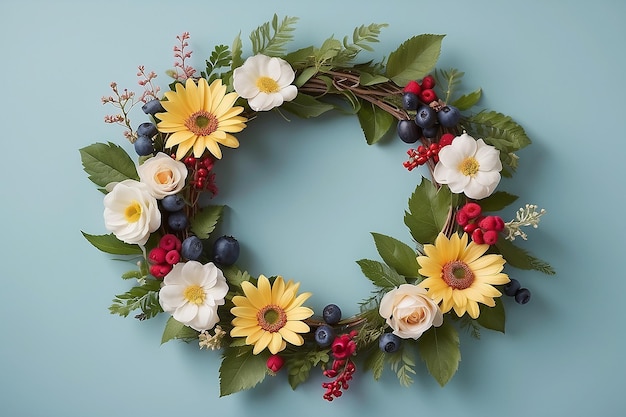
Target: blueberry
[226, 250]
[177, 220]
[192, 248]
[324, 335]
[408, 131]
[449, 116]
[425, 117]
[153, 107]
[410, 101]
[144, 146]
[389, 342]
[173, 202]
[430, 132]
[511, 287]
[147, 129]
[522, 296]
[331, 314]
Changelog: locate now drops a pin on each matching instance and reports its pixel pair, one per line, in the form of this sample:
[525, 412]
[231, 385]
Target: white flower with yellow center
[469, 166]
[265, 82]
[163, 175]
[192, 292]
[131, 211]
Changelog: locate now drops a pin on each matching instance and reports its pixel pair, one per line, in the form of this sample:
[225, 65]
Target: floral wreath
[451, 278]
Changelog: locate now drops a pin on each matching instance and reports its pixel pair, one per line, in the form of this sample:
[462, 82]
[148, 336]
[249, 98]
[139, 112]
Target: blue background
[304, 196]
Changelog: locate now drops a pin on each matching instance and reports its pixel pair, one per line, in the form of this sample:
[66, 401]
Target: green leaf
[380, 274]
[176, 330]
[300, 58]
[305, 76]
[497, 201]
[467, 101]
[235, 276]
[522, 259]
[439, 347]
[236, 60]
[205, 220]
[375, 362]
[367, 79]
[428, 211]
[300, 365]
[493, 318]
[403, 364]
[107, 163]
[397, 255]
[144, 297]
[241, 370]
[374, 121]
[271, 37]
[305, 106]
[111, 244]
[414, 59]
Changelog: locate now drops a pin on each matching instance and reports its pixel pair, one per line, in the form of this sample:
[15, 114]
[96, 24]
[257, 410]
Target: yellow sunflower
[199, 117]
[460, 275]
[270, 315]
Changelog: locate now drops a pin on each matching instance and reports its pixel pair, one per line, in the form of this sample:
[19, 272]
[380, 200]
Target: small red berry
[446, 139]
[412, 87]
[275, 363]
[462, 218]
[499, 223]
[488, 223]
[172, 257]
[490, 237]
[157, 255]
[160, 270]
[470, 227]
[472, 210]
[477, 236]
[428, 82]
[428, 95]
[203, 172]
[169, 242]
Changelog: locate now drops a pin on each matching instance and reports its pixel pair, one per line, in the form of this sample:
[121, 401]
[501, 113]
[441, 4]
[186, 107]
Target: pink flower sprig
[151, 91]
[180, 55]
[343, 368]
[124, 101]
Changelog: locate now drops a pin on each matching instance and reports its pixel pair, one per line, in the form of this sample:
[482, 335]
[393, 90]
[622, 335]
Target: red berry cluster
[423, 90]
[200, 172]
[422, 154]
[164, 256]
[343, 368]
[483, 229]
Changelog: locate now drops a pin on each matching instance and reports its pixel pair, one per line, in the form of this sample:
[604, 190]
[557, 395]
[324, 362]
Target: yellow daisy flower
[270, 315]
[199, 117]
[460, 275]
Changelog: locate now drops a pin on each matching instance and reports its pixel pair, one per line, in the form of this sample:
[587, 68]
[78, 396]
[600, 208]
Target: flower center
[164, 177]
[271, 318]
[415, 317]
[202, 123]
[457, 275]
[133, 212]
[469, 166]
[267, 85]
[194, 294]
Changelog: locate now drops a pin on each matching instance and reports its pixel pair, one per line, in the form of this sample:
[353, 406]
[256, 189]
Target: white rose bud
[163, 175]
[409, 311]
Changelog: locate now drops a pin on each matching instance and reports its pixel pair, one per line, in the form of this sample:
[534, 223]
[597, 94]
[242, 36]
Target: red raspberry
[488, 223]
[275, 363]
[172, 257]
[160, 270]
[428, 95]
[499, 223]
[472, 210]
[428, 82]
[413, 87]
[462, 218]
[446, 139]
[169, 242]
[477, 236]
[156, 256]
[490, 237]
[470, 227]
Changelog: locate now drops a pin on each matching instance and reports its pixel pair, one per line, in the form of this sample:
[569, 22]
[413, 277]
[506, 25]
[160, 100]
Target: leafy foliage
[414, 58]
[403, 364]
[493, 318]
[111, 244]
[447, 82]
[428, 211]
[439, 347]
[497, 201]
[361, 38]
[241, 370]
[270, 38]
[144, 297]
[205, 220]
[380, 274]
[221, 57]
[374, 122]
[106, 163]
[176, 330]
[300, 365]
[397, 255]
[522, 259]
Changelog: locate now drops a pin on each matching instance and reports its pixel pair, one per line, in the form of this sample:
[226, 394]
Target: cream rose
[163, 175]
[131, 212]
[409, 311]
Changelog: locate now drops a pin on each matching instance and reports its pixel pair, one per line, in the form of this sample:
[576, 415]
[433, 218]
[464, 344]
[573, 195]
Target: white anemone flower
[131, 211]
[192, 292]
[265, 82]
[469, 166]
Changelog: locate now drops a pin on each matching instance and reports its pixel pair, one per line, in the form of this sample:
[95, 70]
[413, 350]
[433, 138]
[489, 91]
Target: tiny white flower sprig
[526, 216]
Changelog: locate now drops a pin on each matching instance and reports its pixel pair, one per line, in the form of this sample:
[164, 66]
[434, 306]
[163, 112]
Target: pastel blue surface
[304, 196]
